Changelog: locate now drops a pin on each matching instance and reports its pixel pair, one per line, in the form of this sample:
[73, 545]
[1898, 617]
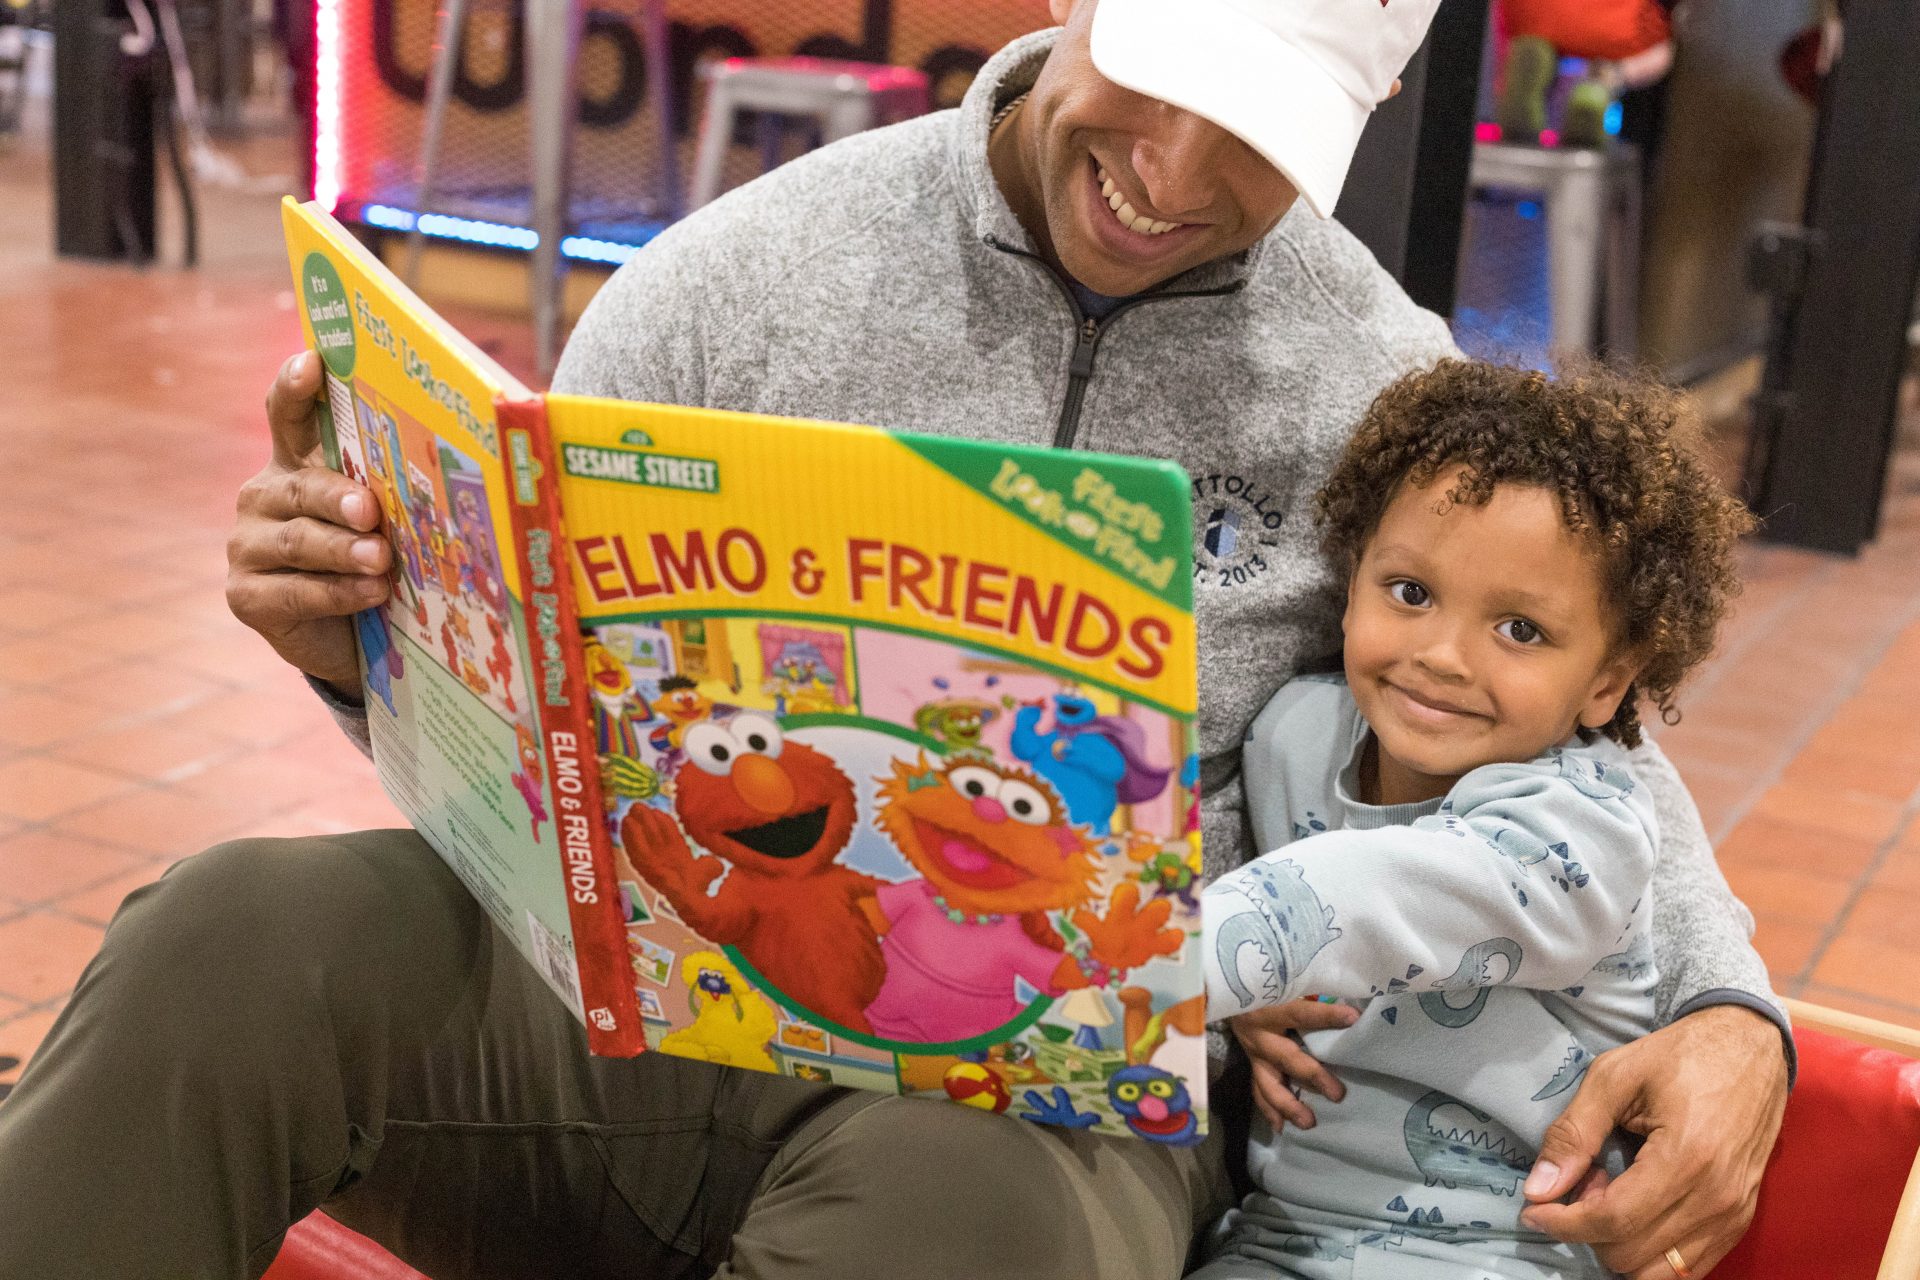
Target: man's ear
[1609, 687]
[1061, 10]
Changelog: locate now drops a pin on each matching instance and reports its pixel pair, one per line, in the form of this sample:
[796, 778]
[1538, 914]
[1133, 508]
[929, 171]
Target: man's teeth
[1124, 211]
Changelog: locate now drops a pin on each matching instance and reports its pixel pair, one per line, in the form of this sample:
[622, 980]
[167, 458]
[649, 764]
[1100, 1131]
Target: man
[281, 1024]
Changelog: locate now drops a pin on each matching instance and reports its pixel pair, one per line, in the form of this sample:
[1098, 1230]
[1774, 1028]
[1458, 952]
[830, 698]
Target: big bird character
[996, 853]
[778, 813]
[732, 1022]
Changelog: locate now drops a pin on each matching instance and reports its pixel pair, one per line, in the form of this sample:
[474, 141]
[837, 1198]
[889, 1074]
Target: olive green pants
[282, 1024]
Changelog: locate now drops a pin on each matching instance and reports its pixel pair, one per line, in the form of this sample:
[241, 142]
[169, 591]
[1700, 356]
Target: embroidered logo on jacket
[1236, 523]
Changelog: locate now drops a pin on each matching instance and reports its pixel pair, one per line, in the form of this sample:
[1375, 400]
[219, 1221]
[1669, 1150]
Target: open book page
[896, 749]
[411, 412]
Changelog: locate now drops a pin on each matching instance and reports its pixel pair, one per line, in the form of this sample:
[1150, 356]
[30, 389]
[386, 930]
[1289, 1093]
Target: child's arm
[1540, 872]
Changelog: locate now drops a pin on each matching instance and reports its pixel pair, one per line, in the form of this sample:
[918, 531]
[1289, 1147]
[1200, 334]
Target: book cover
[897, 755]
[862, 757]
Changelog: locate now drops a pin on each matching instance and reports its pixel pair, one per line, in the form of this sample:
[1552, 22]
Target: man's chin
[1100, 273]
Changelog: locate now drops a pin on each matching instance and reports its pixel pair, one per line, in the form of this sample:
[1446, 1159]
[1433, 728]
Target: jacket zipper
[1080, 366]
[1079, 374]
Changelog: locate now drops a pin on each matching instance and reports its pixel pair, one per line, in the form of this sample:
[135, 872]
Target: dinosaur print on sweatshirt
[1274, 925]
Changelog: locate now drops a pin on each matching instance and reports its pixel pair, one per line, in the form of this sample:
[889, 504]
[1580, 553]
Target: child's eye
[1408, 593]
[1520, 631]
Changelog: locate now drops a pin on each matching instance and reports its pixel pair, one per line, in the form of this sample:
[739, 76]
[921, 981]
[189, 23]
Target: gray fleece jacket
[885, 280]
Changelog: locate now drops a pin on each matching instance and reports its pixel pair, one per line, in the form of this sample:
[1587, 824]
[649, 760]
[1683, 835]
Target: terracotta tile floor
[139, 722]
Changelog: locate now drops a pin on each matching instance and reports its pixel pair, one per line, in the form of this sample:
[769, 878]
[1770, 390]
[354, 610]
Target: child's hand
[1270, 1037]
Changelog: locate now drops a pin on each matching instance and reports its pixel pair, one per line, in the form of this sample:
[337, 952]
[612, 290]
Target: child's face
[1477, 636]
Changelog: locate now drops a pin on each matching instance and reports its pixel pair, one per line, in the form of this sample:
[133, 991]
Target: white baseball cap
[1294, 79]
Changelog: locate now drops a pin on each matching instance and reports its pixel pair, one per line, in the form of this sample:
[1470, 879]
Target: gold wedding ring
[1679, 1265]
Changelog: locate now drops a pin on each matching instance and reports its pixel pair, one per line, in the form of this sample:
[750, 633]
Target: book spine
[608, 1004]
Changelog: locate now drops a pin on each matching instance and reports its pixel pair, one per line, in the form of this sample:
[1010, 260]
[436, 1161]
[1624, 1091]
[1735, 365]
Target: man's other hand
[306, 550]
[1708, 1093]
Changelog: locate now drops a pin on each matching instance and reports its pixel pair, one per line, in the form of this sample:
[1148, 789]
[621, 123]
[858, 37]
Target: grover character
[1155, 1105]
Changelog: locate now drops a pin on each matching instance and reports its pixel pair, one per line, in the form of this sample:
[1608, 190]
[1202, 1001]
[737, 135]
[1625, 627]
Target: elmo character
[500, 660]
[779, 812]
[447, 642]
[997, 853]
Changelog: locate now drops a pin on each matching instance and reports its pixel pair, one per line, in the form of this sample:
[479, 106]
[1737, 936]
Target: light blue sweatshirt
[1495, 941]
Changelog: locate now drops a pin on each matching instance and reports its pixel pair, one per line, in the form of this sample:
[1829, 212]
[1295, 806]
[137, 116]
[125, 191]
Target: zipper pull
[1082, 365]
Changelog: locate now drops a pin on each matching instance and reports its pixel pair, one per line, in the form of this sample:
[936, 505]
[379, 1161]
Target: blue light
[1612, 122]
[387, 217]
[587, 249]
[499, 235]
[1528, 209]
[474, 231]
[445, 226]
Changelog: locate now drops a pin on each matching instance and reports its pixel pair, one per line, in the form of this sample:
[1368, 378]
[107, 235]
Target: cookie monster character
[1155, 1105]
[1095, 762]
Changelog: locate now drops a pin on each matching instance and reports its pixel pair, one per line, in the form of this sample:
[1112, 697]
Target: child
[1466, 855]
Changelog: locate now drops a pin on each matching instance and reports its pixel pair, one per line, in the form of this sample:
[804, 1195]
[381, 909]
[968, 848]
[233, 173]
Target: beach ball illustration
[976, 1086]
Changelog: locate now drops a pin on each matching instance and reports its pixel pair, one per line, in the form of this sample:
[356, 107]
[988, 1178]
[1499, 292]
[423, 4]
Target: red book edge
[609, 1006]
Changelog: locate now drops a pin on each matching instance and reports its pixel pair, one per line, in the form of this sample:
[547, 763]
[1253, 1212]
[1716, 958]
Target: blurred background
[1725, 194]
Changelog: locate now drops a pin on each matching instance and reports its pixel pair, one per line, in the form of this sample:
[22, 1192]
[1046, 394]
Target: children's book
[858, 756]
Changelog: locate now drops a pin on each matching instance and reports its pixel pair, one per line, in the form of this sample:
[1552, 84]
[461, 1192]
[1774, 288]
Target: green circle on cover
[329, 313]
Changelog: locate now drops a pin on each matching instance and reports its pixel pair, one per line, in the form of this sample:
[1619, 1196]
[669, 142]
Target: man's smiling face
[1130, 191]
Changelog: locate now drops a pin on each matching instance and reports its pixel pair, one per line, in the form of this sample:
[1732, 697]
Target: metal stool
[1593, 236]
[843, 97]
[554, 30]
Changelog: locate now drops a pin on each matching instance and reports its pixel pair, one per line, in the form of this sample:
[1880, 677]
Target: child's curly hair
[1620, 456]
